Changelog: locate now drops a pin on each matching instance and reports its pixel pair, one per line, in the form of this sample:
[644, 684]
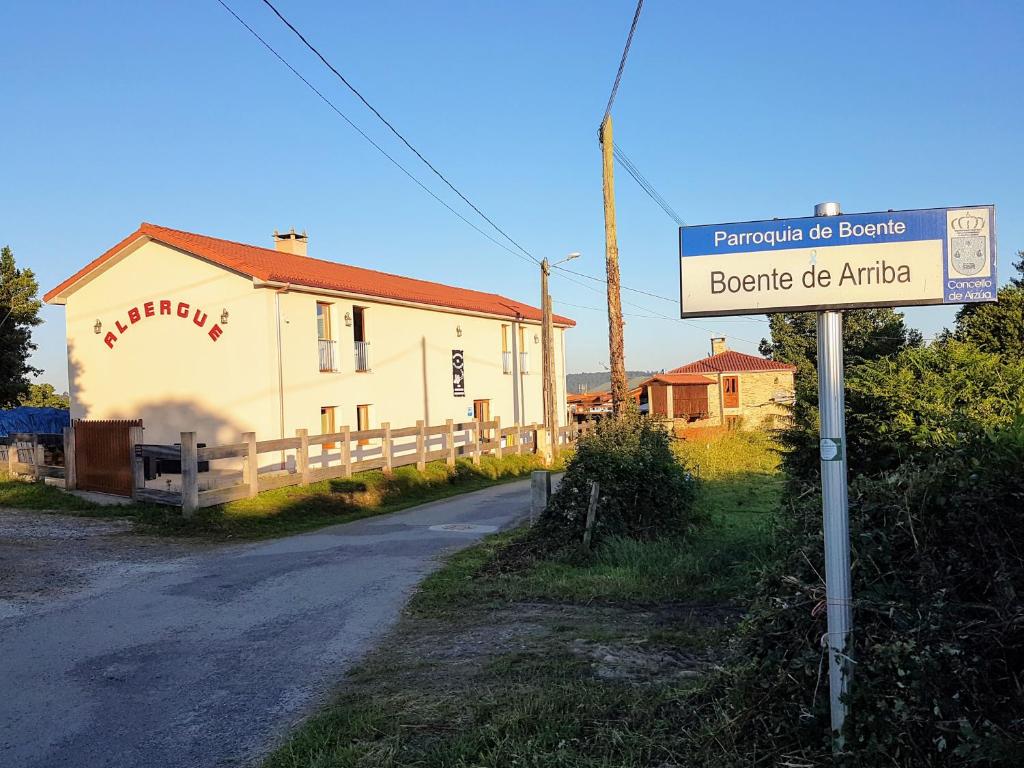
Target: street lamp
[547, 351]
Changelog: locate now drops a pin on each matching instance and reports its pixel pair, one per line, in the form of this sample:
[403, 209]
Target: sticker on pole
[831, 449]
[890, 259]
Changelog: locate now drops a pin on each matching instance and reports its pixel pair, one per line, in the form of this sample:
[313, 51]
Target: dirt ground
[44, 556]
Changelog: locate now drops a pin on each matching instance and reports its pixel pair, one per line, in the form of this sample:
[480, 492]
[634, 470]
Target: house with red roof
[195, 333]
[727, 388]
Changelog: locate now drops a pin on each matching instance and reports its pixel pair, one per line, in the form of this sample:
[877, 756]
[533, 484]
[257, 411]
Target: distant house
[727, 388]
[587, 406]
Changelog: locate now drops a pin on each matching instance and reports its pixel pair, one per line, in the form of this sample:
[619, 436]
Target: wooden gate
[103, 456]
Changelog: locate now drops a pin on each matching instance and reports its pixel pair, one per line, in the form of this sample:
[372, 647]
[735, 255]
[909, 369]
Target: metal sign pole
[835, 506]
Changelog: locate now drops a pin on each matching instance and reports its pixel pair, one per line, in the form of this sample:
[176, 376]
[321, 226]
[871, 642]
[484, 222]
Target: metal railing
[506, 362]
[328, 358]
[362, 355]
[524, 362]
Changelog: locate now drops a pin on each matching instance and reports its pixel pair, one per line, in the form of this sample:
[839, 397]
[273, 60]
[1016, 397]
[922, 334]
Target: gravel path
[128, 651]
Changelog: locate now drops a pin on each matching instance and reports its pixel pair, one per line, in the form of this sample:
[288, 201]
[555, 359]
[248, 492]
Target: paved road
[207, 659]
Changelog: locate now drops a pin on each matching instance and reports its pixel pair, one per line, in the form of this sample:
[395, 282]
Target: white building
[194, 333]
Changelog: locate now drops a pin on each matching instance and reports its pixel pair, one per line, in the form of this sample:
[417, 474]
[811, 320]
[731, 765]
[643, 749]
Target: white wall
[167, 370]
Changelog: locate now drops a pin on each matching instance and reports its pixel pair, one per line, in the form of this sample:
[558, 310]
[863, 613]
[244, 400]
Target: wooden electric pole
[548, 360]
[616, 356]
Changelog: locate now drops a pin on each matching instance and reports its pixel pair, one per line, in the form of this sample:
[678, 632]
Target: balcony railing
[524, 362]
[506, 362]
[362, 355]
[328, 358]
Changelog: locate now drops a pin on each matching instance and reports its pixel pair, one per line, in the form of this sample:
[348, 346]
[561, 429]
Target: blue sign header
[813, 232]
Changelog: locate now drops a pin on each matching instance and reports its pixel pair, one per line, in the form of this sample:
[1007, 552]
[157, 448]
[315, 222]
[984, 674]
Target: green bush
[938, 584]
[645, 492]
[906, 407]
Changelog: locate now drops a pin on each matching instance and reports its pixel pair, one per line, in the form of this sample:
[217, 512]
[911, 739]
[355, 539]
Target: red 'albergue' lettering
[167, 308]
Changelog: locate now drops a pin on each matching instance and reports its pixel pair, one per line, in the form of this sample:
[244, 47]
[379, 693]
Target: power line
[362, 133]
[646, 186]
[395, 131]
[622, 61]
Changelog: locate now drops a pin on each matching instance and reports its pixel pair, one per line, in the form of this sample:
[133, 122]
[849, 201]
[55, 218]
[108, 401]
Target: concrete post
[70, 468]
[346, 451]
[189, 475]
[138, 463]
[303, 454]
[251, 468]
[386, 446]
[421, 445]
[450, 442]
[543, 446]
[540, 492]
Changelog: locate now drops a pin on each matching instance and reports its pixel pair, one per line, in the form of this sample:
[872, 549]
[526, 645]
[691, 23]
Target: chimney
[291, 242]
[718, 345]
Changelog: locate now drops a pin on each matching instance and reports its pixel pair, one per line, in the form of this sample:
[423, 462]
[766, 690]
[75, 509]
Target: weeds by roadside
[506, 658]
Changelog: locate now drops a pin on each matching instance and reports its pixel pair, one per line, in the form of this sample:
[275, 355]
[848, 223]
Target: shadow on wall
[163, 422]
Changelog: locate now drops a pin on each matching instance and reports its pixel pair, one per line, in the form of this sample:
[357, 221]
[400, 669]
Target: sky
[122, 112]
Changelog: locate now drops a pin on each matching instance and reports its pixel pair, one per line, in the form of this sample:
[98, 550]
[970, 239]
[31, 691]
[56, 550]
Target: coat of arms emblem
[968, 247]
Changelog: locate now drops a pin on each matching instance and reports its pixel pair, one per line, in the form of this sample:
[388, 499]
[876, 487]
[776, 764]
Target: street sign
[890, 259]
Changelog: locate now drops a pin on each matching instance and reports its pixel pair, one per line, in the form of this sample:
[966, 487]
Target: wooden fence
[341, 454]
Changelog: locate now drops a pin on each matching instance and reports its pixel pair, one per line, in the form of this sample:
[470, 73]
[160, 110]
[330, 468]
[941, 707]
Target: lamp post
[548, 352]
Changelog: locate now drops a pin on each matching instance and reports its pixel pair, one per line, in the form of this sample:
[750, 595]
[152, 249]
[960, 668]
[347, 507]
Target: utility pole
[548, 353]
[616, 358]
[548, 359]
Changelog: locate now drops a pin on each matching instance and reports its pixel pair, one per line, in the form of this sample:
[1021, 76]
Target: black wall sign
[458, 374]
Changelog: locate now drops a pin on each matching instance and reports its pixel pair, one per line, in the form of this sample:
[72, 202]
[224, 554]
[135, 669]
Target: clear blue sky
[120, 112]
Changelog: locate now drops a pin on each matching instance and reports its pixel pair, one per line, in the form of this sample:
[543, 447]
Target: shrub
[645, 492]
[938, 626]
[906, 407]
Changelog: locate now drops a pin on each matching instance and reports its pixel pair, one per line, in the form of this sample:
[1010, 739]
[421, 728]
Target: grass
[293, 509]
[491, 667]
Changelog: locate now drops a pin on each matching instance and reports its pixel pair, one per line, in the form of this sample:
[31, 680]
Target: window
[327, 423]
[362, 420]
[359, 333]
[482, 410]
[325, 338]
[359, 323]
[731, 391]
[323, 321]
[524, 355]
[506, 353]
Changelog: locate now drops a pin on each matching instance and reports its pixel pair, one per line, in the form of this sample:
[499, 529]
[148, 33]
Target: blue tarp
[25, 419]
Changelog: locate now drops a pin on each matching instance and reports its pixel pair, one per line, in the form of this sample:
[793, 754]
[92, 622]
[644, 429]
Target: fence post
[588, 533]
[251, 469]
[138, 463]
[421, 445]
[303, 454]
[476, 441]
[189, 475]
[70, 470]
[540, 492]
[12, 455]
[386, 446]
[542, 445]
[519, 439]
[450, 440]
[497, 434]
[346, 452]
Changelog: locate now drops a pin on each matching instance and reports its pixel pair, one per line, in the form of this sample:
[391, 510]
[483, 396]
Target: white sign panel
[891, 259]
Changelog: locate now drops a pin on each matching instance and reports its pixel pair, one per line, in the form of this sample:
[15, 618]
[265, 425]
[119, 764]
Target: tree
[997, 328]
[19, 312]
[44, 396]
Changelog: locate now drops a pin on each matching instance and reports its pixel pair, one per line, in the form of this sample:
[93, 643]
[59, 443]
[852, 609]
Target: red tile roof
[272, 265]
[733, 362]
[678, 378]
